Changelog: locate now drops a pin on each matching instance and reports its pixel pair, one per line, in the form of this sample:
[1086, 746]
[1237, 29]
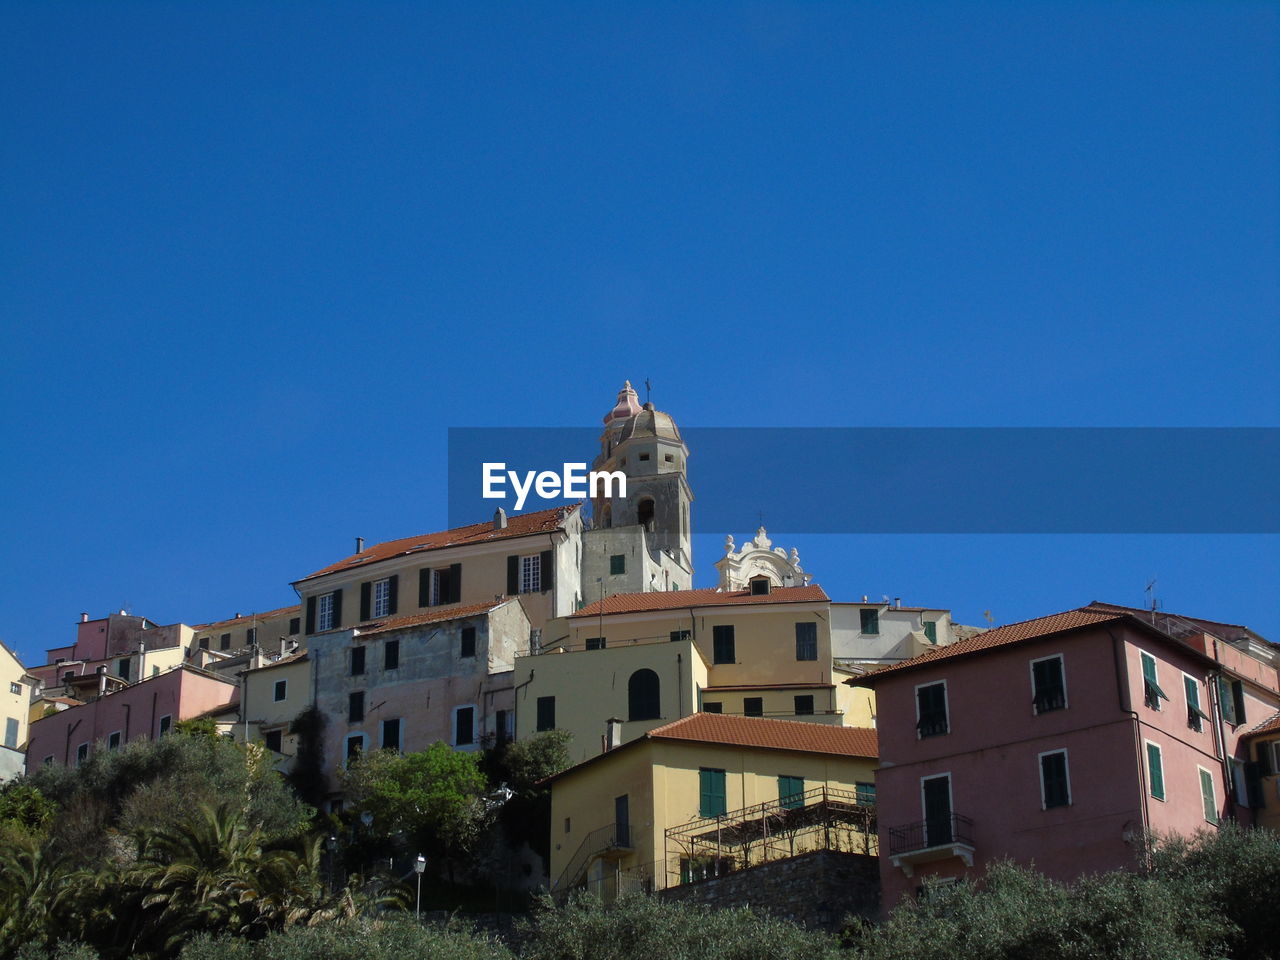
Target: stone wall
[816, 889]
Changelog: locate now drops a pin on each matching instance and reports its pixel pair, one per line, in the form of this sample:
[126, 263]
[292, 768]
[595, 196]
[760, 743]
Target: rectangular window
[272, 740]
[324, 612]
[931, 710]
[503, 729]
[1055, 783]
[391, 655]
[1231, 695]
[224, 642]
[250, 637]
[355, 707]
[11, 732]
[467, 644]
[445, 586]
[204, 643]
[760, 586]
[617, 564]
[1155, 770]
[931, 630]
[382, 598]
[1151, 692]
[464, 726]
[1195, 715]
[113, 741]
[1208, 795]
[791, 792]
[357, 661]
[595, 643]
[680, 635]
[531, 574]
[15, 689]
[281, 690]
[711, 793]
[295, 625]
[546, 713]
[122, 669]
[804, 705]
[165, 723]
[712, 706]
[391, 734]
[753, 706]
[355, 746]
[82, 753]
[870, 621]
[806, 641]
[1048, 684]
[722, 646]
[866, 793]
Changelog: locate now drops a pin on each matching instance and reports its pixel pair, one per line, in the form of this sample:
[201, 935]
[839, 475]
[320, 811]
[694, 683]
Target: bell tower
[652, 520]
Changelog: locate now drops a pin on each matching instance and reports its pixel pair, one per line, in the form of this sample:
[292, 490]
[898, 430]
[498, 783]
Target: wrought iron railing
[933, 832]
[615, 836]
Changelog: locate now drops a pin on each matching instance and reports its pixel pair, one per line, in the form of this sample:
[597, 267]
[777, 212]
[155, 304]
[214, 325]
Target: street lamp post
[418, 866]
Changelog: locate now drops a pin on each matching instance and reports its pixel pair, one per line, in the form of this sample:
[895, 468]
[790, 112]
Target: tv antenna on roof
[1150, 591]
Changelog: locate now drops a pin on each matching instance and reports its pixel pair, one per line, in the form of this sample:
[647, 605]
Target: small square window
[295, 625]
[595, 643]
[753, 706]
[165, 723]
[16, 689]
[644, 457]
[680, 635]
[272, 740]
[869, 621]
[804, 705]
[712, 706]
[280, 691]
[669, 458]
[617, 564]
[204, 643]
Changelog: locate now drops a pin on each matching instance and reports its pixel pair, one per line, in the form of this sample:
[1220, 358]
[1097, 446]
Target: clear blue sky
[257, 258]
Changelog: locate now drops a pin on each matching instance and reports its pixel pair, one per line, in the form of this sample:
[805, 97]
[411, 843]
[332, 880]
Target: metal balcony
[926, 841]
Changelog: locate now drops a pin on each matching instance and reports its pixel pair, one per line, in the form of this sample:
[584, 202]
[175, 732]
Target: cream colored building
[710, 794]
[271, 697]
[647, 659]
[16, 689]
[270, 632]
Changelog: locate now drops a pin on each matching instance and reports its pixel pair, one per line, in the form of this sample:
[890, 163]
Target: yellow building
[647, 659]
[710, 794]
[269, 631]
[15, 688]
[271, 697]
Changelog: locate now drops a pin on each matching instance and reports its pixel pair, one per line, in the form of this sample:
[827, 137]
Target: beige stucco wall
[15, 704]
[264, 713]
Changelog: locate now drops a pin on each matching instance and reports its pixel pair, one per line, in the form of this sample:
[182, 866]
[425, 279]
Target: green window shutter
[791, 792]
[1237, 700]
[311, 615]
[1206, 794]
[711, 799]
[1155, 771]
[1227, 699]
[455, 583]
[931, 631]
[1148, 668]
[393, 594]
[548, 570]
[424, 587]
[513, 575]
[365, 598]
[337, 608]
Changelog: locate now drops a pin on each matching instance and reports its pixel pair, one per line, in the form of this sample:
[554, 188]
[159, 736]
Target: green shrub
[365, 939]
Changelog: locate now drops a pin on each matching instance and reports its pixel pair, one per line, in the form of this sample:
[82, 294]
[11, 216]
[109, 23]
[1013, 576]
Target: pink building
[146, 709]
[1059, 741]
[121, 643]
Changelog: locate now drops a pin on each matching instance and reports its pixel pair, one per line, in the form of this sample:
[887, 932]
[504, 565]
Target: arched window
[644, 513]
[643, 700]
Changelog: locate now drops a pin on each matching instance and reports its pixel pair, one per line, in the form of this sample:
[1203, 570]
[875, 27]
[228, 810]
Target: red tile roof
[999, 637]
[1270, 725]
[250, 618]
[518, 525]
[684, 599]
[294, 657]
[436, 615]
[761, 733]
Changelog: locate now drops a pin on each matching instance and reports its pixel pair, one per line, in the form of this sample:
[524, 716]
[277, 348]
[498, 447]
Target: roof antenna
[1150, 591]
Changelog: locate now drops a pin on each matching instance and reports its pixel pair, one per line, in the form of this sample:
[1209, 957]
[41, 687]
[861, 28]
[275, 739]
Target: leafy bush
[365, 939]
[646, 928]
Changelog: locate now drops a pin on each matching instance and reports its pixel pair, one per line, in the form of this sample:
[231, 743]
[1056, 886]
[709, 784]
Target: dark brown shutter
[311, 615]
[548, 570]
[393, 593]
[455, 583]
[366, 591]
[337, 608]
[424, 586]
[513, 575]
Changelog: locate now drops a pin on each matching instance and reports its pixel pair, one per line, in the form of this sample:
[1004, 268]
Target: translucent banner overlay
[924, 479]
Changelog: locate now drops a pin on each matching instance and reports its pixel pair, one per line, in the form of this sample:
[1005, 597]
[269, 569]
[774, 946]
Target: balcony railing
[935, 832]
[614, 836]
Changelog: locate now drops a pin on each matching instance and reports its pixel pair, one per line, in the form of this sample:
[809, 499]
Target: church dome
[650, 422]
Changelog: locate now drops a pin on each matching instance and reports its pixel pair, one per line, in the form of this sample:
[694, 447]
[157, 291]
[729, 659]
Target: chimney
[102, 681]
[84, 618]
[359, 544]
[613, 734]
[284, 645]
[897, 603]
[142, 659]
[499, 519]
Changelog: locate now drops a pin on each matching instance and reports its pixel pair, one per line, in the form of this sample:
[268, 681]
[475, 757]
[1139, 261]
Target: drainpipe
[1122, 694]
[66, 750]
[1219, 732]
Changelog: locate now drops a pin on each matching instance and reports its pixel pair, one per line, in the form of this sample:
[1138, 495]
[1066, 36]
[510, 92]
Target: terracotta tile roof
[250, 618]
[999, 637]
[220, 709]
[294, 657]
[769, 734]
[762, 733]
[518, 525]
[436, 615]
[684, 599]
[69, 701]
[1270, 725]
